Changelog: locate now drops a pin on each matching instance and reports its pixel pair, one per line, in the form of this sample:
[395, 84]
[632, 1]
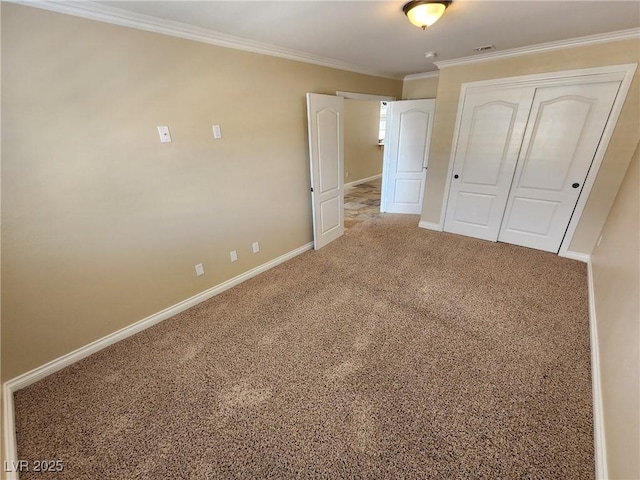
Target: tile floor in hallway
[361, 202]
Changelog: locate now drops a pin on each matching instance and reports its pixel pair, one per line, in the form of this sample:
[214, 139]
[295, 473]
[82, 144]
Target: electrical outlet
[233, 255]
[256, 247]
[199, 269]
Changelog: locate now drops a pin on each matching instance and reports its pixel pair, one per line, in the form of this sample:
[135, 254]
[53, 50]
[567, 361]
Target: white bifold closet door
[490, 134]
[563, 133]
[521, 160]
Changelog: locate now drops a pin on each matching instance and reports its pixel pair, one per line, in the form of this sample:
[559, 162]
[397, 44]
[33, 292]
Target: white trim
[418, 76]
[543, 47]
[124, 18]
[430, 226]
[623, 73]
[26, 379]
[82, 352]
[362, 180]
[365, 96]
[582, 257]
[599, 444]
[118, 16]
[22, 381]
[9, 433]
[563, 77]
[385, 164]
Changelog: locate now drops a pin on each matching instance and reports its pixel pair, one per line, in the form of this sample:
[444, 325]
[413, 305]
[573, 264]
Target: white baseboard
[362, 180]
[9, 432]
[430, 226]
[8, 388]
[598, 418]
[26, 379]
[583, 257]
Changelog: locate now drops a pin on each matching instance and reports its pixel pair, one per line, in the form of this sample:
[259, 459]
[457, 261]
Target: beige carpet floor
[394, 352]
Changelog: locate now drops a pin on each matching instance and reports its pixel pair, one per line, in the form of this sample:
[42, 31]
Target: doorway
[362, 202]
[363, 158]
[403, 168]
[388, 139]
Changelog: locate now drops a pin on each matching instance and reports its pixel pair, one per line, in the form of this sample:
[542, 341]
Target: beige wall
[413, 89]
[101, 223]
[362, 156]
[616, 279]
[617, 157]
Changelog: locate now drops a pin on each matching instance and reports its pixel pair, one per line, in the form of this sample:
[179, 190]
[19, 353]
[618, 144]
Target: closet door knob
[575, 185]
[456, 176]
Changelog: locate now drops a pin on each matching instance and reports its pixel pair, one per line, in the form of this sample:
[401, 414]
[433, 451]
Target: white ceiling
[376, 36]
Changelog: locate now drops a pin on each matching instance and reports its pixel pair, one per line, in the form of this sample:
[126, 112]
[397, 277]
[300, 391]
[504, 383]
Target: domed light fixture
[424, 13]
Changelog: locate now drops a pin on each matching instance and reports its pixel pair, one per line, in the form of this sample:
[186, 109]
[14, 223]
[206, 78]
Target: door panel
[541, 170]
[475, 208]
[330, 215]
[561, 139]
[489, 139]
[412, 141]
[324, 118]
[532, 216]
[406, 155]
[408, 191]
[328, 131]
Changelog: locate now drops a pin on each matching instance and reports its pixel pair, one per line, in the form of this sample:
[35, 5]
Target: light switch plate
[165, 136]
[199, 269]
[217, 133]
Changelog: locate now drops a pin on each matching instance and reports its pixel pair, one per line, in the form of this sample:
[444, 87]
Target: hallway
[362, 202]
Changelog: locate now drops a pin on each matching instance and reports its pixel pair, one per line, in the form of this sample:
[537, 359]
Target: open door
[406, 155]
[325, 115]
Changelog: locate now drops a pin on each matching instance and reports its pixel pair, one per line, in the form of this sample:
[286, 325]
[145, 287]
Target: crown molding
[124, 18]
[543, 47]
[417, 76]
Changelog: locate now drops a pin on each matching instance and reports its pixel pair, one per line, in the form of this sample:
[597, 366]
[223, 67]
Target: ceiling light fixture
[424, 13]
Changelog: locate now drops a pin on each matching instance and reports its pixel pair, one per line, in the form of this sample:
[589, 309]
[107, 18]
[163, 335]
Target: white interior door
[563, 133]
[490, 134]
[325, 115]
[406, 155]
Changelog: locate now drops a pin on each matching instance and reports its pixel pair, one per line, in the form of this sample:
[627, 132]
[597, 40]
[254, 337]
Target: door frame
[365, 96]
[623, 73]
